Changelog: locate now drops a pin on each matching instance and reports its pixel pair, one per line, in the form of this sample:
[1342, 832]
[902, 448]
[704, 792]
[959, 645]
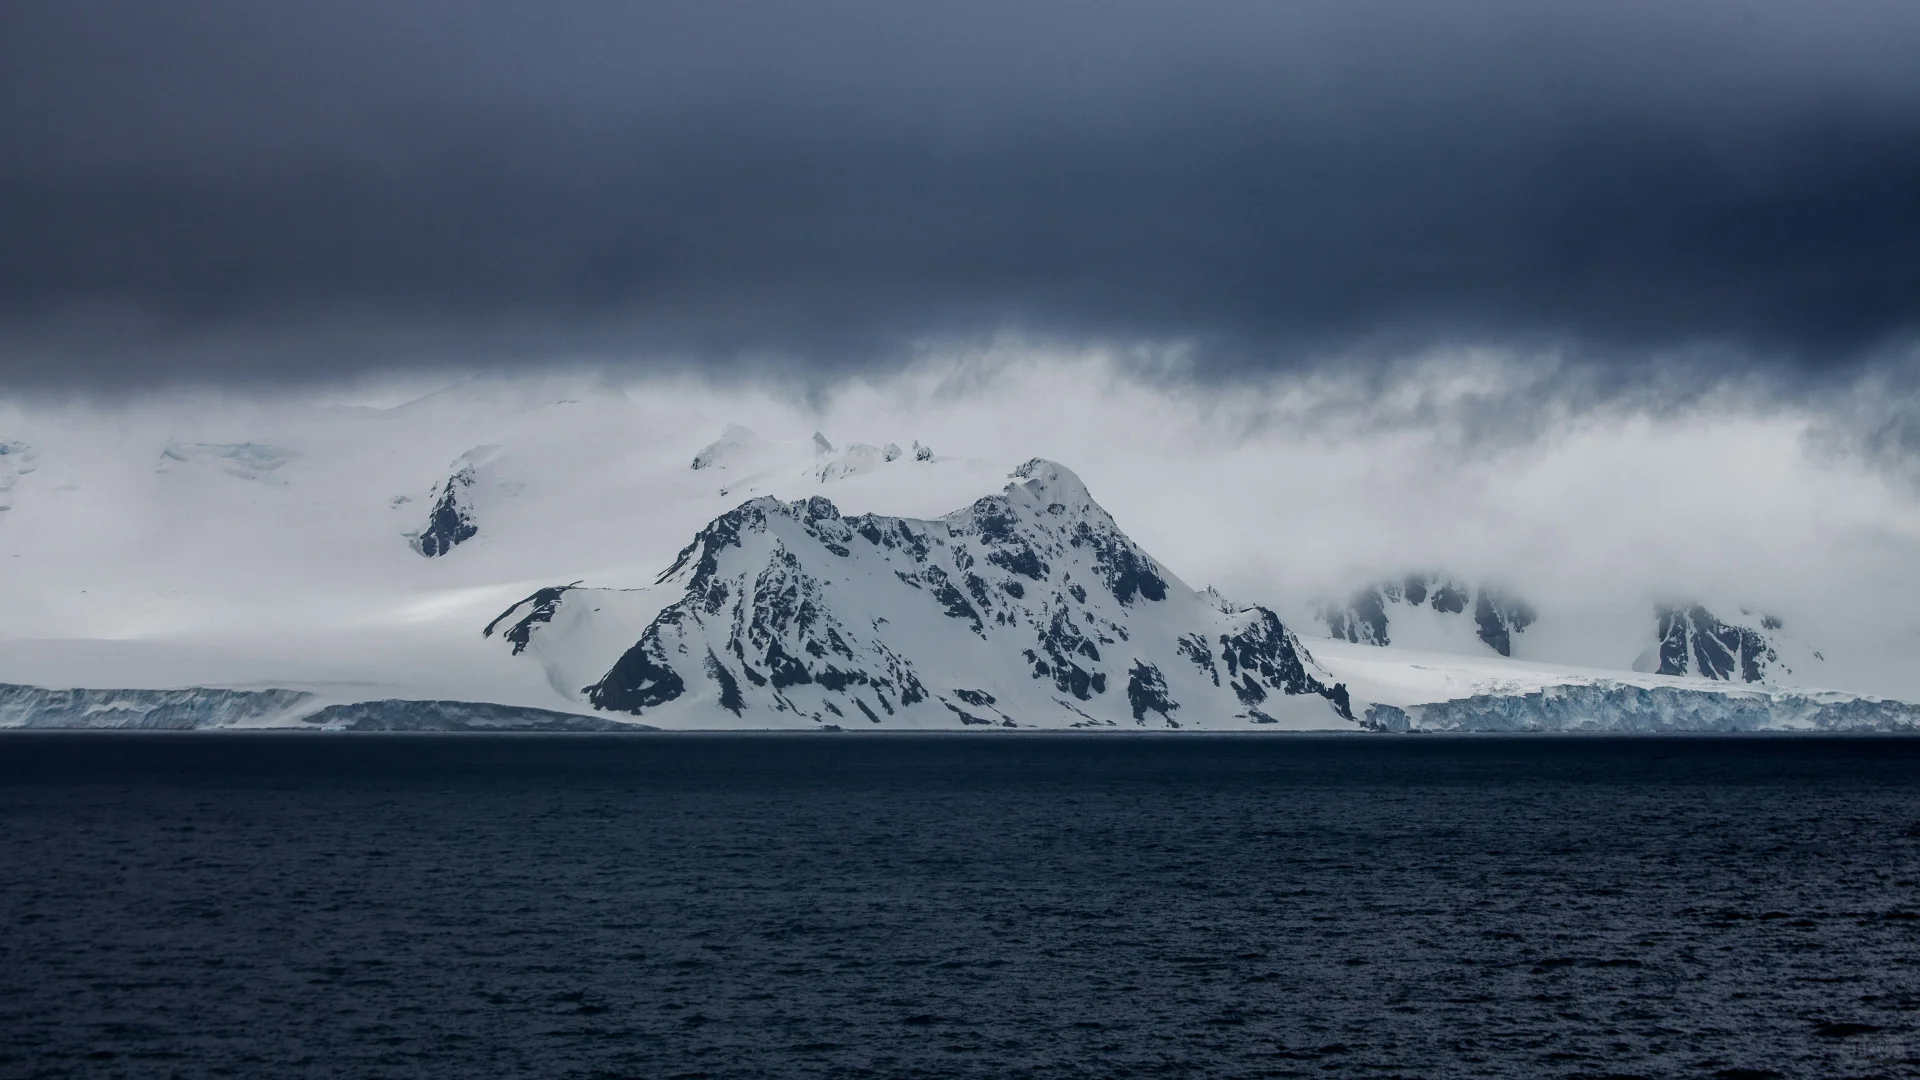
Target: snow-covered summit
[453, 515]
[1028, 608]
[733, 442]
[1049, 484]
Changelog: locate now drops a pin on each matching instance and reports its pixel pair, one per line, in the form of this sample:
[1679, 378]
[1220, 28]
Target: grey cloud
[231, 190]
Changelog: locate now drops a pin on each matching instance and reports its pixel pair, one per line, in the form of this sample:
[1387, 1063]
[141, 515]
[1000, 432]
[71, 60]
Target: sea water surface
[958, 906]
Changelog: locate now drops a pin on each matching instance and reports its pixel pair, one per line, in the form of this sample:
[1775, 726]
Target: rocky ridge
[452, 518]
[1366, 617]
[1691, 640]
[1027, 608]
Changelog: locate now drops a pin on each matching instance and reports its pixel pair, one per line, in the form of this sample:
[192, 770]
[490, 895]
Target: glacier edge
[1623, 707]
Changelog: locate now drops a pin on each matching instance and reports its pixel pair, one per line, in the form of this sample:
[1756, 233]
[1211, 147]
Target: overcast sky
[217, 191]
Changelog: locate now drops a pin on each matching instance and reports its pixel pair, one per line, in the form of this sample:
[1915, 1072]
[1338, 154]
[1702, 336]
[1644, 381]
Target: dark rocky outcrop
[1366, 617]
[1147, 692]
[534, 611]
[1497, 617]
[1692, 641]
[451, 521]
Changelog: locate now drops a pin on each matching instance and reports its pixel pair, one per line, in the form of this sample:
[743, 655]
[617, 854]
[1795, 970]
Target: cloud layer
[220, 190]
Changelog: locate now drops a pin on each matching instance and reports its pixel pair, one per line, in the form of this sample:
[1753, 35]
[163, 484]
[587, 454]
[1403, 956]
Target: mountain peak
[1049, 483]
[1026, 608]
[731, 445]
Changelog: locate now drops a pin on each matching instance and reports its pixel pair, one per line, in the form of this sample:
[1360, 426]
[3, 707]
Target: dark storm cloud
[224, 189]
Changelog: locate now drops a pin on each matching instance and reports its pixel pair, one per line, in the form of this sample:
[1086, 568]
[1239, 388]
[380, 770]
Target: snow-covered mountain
[1691, 640]
[1027, 608]
[161, 566]
[452, 516]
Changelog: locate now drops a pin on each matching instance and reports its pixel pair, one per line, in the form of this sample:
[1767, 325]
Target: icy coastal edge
[205, 708]
[1614, 707]
[1622, 707]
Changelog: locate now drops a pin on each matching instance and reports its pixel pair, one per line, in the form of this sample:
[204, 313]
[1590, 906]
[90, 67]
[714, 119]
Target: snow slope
[252, 545]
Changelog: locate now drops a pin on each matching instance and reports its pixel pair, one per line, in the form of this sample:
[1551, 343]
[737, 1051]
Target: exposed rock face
[1497, 617]
[1367, 616]
[1692, 641]
[453, 518]
[451, 521]
[533, 611]
[1030, 607]
[1361, 620]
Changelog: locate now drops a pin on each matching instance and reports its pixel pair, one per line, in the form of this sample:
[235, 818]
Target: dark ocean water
[958, 906]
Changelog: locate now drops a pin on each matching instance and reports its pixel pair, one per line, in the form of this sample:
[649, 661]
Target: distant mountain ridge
[1366, 617]
[453, 515]
[1691, 640]
[1683, 639]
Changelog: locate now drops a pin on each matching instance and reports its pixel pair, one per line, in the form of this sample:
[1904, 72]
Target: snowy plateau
[553, 555]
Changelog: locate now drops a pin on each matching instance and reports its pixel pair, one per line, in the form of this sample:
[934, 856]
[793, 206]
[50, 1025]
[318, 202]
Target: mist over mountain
[277, 541]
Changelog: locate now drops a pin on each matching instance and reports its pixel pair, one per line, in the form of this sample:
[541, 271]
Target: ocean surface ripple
[958, 906]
